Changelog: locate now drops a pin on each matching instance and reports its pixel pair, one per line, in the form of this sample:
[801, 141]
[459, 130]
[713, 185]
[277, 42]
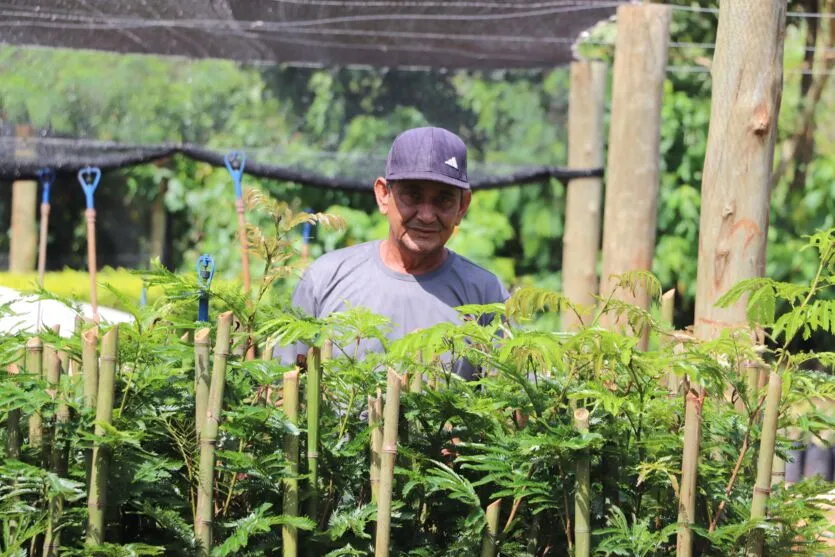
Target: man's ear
[465, 204]
[383, 194]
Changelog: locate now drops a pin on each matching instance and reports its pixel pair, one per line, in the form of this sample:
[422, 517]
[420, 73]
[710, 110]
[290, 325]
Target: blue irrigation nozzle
[306, 230]
[46, 176]
[235, 164]
[205, 273]
[89, 178]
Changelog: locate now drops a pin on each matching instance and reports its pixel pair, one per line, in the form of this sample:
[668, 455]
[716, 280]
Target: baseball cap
[428, 153]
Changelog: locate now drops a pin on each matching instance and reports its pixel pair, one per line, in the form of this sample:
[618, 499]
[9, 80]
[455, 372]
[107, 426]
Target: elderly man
[410, 277]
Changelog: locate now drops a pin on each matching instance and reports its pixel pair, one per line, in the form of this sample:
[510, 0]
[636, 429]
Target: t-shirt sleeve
[304, 298]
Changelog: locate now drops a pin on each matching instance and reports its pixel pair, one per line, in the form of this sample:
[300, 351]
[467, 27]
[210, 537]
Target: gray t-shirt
[356, 276]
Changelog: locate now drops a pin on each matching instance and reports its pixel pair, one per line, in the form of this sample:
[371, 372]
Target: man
[410, 277]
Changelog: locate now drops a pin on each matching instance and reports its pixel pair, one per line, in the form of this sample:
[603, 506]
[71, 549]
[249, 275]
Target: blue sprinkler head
[205, 271]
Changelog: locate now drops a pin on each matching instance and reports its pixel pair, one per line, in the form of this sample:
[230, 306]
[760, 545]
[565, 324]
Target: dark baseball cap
[433, 154]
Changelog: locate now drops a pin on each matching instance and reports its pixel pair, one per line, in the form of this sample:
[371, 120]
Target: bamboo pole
[778, 472]
[694, 400]
[97, 494]
[204, 513]
[416, 385]
[314, 397]
[375, 416]
[765, 461]
[56, 364]
[289, 533]
[13, 440]
[201, 377]
[668, 303]
[581, 241]
[52, 375]
[388, 455]
[582, 498]
[34, 366]
[90, 366]
[62, 419]
[630, 212]
[327, 350]
[489, 541]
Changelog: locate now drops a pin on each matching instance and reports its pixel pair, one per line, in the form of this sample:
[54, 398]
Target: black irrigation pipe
[129, 155]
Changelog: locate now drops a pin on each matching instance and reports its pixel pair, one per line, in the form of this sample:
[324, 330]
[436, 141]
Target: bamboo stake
[97, 495]
[489, 541]
[289, 533]
[13, 424]
[56, 365]
[201, 377]
[668, 303]
[375, 407]
[765, 460]
[62, 417]
[778, 472]
[52, 375]
[388, 455]
[689, 470]
[416, 385]
[582, 498]
[204, 513]
[90, 367]
[314, 397]
[327, 350]
[34, 366]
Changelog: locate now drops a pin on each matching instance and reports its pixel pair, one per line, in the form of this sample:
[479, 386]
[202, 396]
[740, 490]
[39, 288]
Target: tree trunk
[747, 85]
[581, 241]
[632, 181]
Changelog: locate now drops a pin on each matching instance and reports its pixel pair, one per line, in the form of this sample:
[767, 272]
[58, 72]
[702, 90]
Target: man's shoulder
[485, 280]
[351, 256]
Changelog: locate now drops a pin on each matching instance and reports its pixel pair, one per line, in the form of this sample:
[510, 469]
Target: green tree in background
[342, 121]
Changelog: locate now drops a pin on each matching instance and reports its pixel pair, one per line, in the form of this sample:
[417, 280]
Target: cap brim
[430, 176]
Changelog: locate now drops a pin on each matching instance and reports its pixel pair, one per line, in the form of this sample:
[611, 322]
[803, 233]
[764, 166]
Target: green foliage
[508, 434]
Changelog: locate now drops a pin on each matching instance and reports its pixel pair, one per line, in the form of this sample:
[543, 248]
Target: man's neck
[403, 261]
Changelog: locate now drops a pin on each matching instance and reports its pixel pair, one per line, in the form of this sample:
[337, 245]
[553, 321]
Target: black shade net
[431, 34]
[474, 34]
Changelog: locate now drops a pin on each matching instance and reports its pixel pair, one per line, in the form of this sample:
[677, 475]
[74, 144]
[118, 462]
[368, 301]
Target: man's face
[422, 215]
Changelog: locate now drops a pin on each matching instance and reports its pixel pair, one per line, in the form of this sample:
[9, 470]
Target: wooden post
[747, 84]
[581, 240]
[632, 181]
[24, 240]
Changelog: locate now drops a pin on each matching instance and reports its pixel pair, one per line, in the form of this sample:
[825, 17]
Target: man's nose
[426, 213]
